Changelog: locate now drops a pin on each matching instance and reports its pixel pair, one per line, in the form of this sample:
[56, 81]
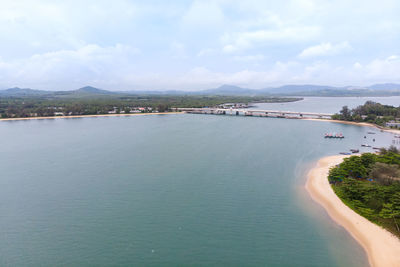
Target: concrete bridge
[257, 113]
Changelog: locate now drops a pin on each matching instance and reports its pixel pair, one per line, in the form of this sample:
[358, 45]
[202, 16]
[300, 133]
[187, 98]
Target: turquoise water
[172, 190]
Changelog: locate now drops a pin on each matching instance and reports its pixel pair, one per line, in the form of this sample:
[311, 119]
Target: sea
[174, 190]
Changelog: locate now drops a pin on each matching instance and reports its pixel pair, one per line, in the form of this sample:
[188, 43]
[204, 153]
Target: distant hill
[385, 86]
[16, 91]
[297, 88]
[384, 89]
[93, 90]
[388, 89]
[227, 89]
[310, 90]
[27, 92]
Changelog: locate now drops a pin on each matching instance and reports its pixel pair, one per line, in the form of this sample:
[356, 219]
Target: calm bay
[170, 190]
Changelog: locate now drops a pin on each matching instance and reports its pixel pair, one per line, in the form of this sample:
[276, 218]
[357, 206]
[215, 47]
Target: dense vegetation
[30, 106]
[369, 112]
[370, 185]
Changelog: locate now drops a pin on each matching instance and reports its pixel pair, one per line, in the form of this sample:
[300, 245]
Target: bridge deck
[253, 112]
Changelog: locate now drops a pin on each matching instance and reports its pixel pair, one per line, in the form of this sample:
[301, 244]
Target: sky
[193, 45]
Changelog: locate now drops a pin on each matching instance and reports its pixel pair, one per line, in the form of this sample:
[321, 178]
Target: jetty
[257, 113]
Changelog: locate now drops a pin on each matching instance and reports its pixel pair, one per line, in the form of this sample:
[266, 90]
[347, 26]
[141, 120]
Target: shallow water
[169, 190]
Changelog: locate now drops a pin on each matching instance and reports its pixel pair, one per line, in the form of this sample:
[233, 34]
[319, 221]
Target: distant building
[233, 105]
[394, 124]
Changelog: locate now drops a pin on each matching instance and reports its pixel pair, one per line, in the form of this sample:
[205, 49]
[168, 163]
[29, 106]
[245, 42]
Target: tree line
[16, 107]
[370, 185]
[371, 112]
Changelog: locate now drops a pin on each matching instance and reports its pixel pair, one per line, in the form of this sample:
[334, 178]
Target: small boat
[334, 135]
[354, 150]
[371, 133]
[365, 145]
[376, 147]
[345, 153]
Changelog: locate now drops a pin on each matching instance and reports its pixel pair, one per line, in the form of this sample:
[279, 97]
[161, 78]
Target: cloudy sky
[190, 45]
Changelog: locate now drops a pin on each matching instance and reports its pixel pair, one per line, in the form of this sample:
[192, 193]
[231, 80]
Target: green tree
[388, 212]
[385, 173]
[368, 159]
[354, 167]
[345, 113]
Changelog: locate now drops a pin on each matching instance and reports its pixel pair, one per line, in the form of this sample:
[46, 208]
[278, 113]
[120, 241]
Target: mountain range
[285, 90]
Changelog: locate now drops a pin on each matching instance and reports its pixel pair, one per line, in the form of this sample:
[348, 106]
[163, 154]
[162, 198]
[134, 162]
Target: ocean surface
[328, 104]
[169, 190]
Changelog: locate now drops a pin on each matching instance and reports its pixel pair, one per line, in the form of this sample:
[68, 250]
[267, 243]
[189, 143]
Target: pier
[257, 113]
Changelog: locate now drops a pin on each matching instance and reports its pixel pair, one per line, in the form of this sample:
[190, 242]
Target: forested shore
[370, 185]
[41, 106]
[370, 112]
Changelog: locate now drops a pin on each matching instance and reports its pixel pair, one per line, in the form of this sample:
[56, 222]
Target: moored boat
[334, 135]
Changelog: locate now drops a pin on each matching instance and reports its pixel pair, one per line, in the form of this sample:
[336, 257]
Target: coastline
[88, 116]
[364, 124]
[382, 248]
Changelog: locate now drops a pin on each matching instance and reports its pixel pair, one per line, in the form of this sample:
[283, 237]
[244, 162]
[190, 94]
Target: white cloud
[178, 50]
[291, 72]
[204, 14]
[325, 49]
[357, 65]
[393, 58]
[258, 57]
[89, 64]
[231, 48]
[385, 69]
[243, 39]
[61, 24]
[205, 52]
[248, 39]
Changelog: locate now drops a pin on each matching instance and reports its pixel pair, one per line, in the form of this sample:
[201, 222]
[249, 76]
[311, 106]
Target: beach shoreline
[382, 247]
[364, 124]
[88, 116]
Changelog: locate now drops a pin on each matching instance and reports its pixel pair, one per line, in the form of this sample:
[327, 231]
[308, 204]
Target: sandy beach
[383, 248]
[88, 116]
